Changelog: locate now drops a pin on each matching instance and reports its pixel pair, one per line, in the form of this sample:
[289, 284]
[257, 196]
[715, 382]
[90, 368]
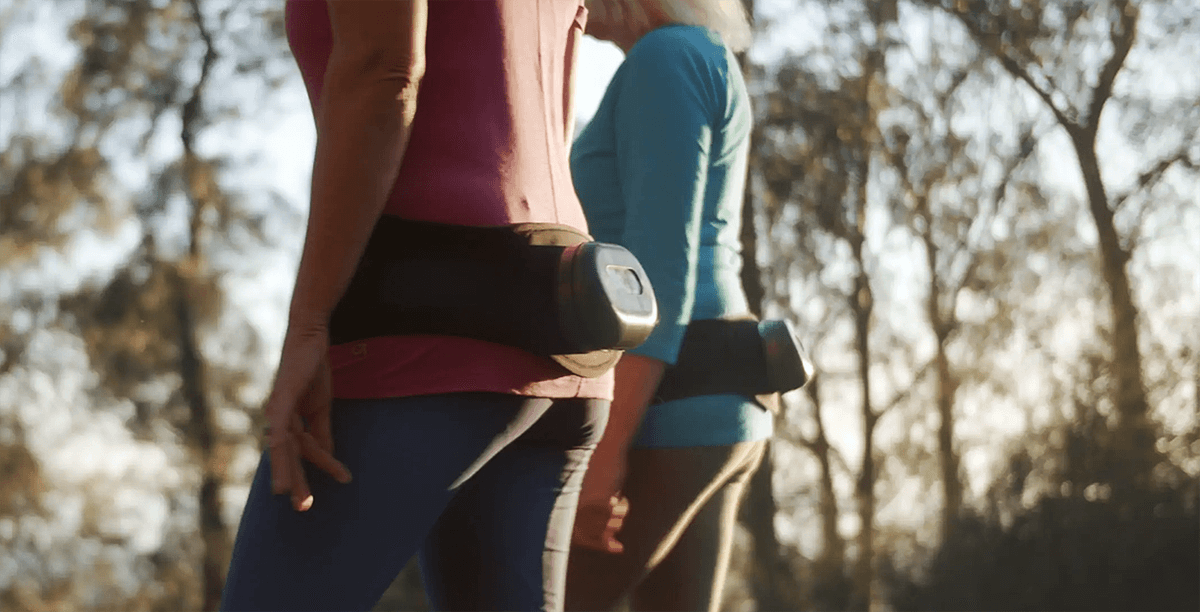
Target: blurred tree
[1053, 534]
[992, 237]
[771, 576]
[1046, 45]
[946, 198]
[817, 164]
[1076, 548]
[892, 144]
[158, 331]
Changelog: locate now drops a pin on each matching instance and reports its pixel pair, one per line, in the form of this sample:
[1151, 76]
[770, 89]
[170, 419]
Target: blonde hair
[725, 17]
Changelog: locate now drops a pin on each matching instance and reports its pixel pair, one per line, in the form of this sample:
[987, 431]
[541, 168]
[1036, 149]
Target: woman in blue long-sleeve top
[661, 170]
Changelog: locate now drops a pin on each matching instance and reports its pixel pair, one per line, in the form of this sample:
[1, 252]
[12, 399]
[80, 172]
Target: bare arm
[364, 119]
[600, 511]
[363, 125]
[636, 378]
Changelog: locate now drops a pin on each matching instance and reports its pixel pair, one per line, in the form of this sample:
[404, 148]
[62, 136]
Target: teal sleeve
[663, 141]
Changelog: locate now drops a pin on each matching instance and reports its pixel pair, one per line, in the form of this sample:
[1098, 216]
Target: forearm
[363, 131]
[636, 379]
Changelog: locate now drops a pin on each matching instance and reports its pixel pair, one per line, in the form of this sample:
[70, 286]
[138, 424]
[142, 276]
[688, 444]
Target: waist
[403, 366]
[719, 291]
[469, 179]
[479, 200]
[707, 420]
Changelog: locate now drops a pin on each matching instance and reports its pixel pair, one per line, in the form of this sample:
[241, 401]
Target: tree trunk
[1135, 435]
[759, 510]
[952, 489]
[862, 303]
[864, 575]
[1135, 432]
[201, 436]
[202, 430]
[830, 588]
[752, 281]
[834, 548]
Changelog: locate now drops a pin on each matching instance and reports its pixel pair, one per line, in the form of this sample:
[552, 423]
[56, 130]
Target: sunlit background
[983, 216]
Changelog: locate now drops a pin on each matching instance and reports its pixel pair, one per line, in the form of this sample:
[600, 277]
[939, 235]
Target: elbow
[402, 83]
[403, 75]
[377, 73]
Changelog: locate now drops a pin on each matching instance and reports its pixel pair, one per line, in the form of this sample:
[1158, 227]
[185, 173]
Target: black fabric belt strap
[738, 355]
[545, 288]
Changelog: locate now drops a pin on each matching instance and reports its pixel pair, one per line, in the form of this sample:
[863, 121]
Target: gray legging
[678, 534]
[497, 542]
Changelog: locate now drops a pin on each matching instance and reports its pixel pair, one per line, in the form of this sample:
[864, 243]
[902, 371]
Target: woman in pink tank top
[466, 453]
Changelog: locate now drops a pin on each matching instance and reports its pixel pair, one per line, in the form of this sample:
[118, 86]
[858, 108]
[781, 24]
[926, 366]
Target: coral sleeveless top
[488, 147]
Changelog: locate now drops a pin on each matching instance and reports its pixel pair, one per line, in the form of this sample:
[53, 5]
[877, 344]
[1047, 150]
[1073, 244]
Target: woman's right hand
[298, 411]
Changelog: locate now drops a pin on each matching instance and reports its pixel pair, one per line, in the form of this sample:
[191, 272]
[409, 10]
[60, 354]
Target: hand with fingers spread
[298, 414]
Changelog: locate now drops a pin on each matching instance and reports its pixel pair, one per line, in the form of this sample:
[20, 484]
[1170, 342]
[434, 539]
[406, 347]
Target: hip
[706, 420]
[404, 366]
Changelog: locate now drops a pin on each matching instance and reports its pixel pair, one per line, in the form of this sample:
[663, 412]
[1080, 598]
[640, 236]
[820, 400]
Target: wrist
[307, 322]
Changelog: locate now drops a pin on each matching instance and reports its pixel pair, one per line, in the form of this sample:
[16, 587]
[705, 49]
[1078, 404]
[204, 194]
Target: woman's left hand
[596, 525]
[602, 507]
[298, 411]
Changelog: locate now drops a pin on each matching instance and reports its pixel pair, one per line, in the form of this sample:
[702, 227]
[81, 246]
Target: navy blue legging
[482, 486]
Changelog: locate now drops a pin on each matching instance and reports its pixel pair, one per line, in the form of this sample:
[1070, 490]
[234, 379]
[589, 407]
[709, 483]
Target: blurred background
[984, 216]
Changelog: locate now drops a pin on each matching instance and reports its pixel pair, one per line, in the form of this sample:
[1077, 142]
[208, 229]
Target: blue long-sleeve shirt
[661, 169]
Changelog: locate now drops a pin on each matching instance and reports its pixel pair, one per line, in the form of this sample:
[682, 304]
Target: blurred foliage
[976, 210]
[116, 154]
[1083, 547]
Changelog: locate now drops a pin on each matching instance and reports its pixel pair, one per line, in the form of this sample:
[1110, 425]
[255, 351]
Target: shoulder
[677, 43]
[678, 61]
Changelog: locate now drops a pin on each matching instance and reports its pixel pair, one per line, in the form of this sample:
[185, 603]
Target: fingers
[281, 413]
[611, 545]
[311, 449]
[287, 469]
[320, 399]
[302, 498]
[315, 439]
[301, 495]
[620, 507]
[605, 542]
[616, 520]
[287, 474]
[596, 525]
[278, 444]
[302, 389]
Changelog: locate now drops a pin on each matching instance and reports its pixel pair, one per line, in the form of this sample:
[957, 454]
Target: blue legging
[483, 487]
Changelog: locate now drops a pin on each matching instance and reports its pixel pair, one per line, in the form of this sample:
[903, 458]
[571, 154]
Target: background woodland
[984, 216]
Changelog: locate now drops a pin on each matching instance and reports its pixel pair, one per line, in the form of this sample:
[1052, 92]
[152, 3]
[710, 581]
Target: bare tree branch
[1152, 176]
[1027, 146]
[1122, 34]
[820, 443]
[1011, 65]
[909, 390]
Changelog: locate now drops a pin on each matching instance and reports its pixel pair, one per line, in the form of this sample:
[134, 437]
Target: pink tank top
[488, 147]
